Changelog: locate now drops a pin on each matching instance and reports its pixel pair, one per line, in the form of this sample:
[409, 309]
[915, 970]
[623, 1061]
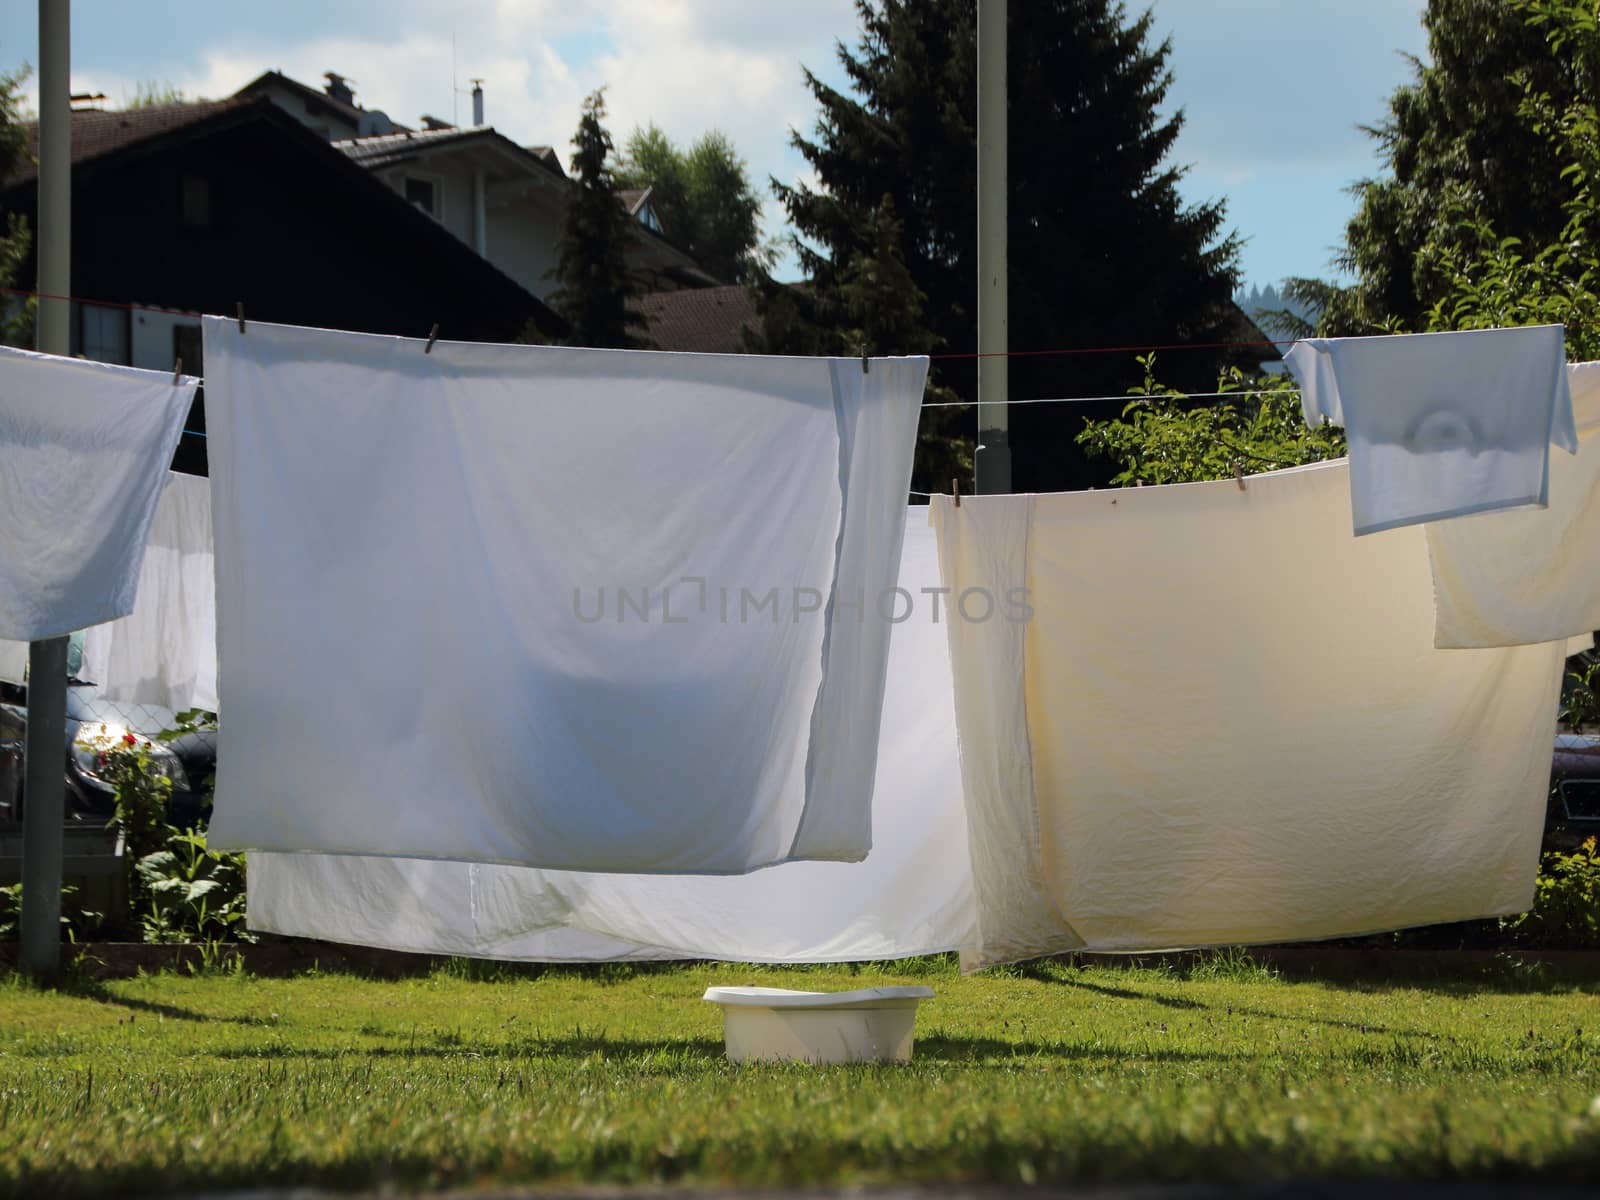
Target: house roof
[96, 132]
[706, 320]
[387, 149]
[350, 112]
[101, 140]
[548, 153]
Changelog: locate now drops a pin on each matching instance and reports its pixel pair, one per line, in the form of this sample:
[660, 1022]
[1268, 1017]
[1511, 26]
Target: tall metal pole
[993, 461]
[44, 781]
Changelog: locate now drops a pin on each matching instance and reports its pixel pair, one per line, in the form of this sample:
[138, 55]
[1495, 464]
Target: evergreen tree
[595, 281]
[1102, 250]
[16, 239]
[703, 197]
[1459, 153]
[884, 312]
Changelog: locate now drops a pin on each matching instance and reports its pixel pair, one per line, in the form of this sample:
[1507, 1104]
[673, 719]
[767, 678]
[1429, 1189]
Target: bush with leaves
[77, 922]
[1566, 903]
[142, 792]
[179, 890]
[196, 894]
[1163, 437]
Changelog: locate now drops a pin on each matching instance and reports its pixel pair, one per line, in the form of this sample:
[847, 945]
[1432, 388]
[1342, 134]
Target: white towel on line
[911, 895]
[1512, 578]
[413, 550]
[1226, 723]
[1440, 424]
[84, 450]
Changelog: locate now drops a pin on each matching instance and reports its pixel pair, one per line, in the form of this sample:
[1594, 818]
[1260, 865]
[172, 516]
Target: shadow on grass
[1238, 1010]
[1444, 972]
[101, 994]
[978, 1051]
[446, 1045]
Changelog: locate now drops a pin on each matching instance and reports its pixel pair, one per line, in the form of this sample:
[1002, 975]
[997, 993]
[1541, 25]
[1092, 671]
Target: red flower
[130, 739]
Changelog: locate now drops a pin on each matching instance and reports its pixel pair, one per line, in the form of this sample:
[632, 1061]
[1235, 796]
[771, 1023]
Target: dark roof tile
[702, 320]
[96, 132]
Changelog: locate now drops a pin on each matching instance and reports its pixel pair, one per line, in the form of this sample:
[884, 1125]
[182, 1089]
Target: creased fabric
[165, 652]
[1440, 424]
[84, 449]
[910, 896]
[1226, 723]
[545, 606]
[1510, 578]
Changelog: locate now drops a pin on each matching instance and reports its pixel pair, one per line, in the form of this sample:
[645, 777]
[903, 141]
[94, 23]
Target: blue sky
[1273, 90]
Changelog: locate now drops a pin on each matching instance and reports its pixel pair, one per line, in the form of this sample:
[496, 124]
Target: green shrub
[195, 894]
[1566, 904]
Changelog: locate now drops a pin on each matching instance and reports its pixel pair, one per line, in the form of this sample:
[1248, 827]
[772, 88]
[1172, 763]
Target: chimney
[339, 88]
[477, 102]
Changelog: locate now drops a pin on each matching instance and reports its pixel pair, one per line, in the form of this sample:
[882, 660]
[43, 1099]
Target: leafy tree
[1163, 437]
[595, 282]
[1102, 250]
[1456, 141]
[703, 197]
[16, 316]
[1487, 276]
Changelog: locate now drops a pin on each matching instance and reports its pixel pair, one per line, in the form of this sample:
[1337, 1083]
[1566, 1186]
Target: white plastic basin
[777, 1024]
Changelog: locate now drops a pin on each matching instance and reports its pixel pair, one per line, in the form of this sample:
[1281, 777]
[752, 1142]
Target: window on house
[103, 334]
[423, 194]
[196, 202]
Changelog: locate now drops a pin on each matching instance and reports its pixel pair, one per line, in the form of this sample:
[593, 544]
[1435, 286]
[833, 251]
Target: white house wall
[522, 243]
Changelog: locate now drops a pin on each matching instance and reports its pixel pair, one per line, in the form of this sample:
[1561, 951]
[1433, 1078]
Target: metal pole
[44, 781]
[993, 460]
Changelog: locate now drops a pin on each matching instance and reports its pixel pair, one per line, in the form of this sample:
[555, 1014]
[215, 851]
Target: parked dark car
[94, 721]
[1574, 812]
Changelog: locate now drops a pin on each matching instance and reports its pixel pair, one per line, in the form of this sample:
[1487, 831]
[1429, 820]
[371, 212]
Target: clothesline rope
[200, 433]
[1126, 396]
[1241, 394]
[948, 356]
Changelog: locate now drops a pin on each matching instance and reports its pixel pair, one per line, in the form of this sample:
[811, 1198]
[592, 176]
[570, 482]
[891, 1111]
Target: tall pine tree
[595, 282]
[1103, 251]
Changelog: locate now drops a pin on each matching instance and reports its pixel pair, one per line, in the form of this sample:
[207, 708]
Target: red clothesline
[974, 354]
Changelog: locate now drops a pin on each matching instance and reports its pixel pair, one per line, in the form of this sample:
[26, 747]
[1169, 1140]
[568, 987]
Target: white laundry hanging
[577, 609]
[1510, 578]
[911, 895]
[1440, 424]
[165, 651]
[84, 449]
[1225, 722]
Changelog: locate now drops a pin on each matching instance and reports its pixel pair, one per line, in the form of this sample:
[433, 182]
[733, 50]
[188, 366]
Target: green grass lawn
[1223, 1071]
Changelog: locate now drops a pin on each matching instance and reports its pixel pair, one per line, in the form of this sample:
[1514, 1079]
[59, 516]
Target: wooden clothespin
[433, 336]
[1238, 472]
[177, 371]
[865, 367]
[955, 490]
[241, 316]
